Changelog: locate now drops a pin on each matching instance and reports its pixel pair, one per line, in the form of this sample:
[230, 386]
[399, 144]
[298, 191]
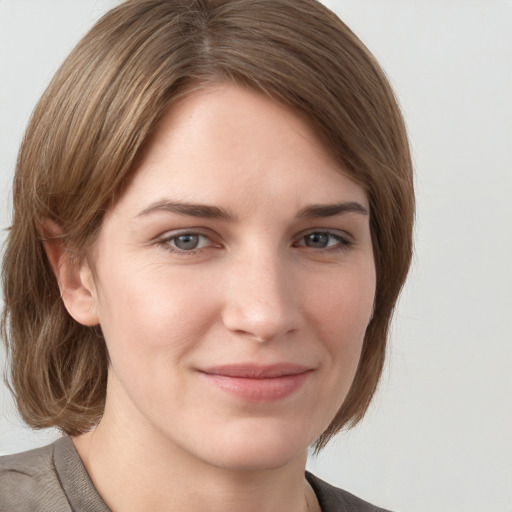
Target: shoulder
[333, 499]
[29, 481]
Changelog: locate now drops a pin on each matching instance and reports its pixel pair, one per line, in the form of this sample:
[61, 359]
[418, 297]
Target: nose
[260, 302]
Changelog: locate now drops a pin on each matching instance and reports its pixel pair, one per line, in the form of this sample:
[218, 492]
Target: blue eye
[186, 242]
[323, 240]
[317, 240]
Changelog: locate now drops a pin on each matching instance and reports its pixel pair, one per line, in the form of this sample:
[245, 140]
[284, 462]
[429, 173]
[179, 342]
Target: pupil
[317, 240]
[187, 242]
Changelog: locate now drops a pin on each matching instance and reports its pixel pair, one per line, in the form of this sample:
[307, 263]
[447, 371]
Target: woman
[213, 209]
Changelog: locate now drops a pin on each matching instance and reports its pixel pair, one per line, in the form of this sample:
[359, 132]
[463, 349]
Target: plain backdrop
[439, 433]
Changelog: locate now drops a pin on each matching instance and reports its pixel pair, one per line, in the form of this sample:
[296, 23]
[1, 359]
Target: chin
[261, 459]
[258, 448]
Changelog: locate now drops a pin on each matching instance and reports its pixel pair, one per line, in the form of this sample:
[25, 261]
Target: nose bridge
[259, 295]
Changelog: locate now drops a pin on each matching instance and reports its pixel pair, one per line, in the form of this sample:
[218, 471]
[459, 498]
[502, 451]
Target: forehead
[229, 143]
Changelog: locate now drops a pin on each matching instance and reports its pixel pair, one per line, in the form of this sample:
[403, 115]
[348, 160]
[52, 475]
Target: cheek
[150, 314]
[151, 324]
[339, 309]
[342, 303]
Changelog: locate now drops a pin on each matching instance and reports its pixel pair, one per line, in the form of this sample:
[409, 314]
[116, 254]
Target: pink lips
[258, 383]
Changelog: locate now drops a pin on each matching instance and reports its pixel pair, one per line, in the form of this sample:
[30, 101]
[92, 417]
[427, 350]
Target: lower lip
[259, 390]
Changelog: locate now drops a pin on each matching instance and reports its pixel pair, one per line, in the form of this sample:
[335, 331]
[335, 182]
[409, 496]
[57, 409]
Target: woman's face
[234, 281]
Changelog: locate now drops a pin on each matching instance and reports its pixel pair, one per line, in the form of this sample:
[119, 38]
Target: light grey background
[438, 435]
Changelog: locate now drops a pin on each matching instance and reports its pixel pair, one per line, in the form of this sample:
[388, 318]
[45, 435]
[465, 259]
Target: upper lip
[257, 371]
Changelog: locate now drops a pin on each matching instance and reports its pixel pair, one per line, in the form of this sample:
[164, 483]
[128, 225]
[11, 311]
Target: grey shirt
[53, 479]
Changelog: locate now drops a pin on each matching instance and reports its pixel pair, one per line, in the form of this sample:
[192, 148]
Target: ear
[75, 278]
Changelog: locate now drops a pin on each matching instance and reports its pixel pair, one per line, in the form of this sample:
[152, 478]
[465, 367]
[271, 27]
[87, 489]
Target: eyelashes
[190, 243]
[323, 240]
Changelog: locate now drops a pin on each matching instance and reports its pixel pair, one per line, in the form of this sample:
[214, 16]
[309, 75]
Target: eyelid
[345, 238]
[172, 233]
[165, 239]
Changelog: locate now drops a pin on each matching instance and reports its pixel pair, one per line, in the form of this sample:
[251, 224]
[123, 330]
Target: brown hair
[92, 122]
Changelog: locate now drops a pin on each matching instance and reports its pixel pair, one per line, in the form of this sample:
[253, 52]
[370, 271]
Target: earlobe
[74, 277]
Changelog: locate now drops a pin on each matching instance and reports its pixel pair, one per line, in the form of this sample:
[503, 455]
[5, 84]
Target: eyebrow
[330, 210]
[215, 212]
[191, 209]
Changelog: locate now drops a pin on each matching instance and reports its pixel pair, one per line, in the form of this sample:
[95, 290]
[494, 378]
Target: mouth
[258, 383]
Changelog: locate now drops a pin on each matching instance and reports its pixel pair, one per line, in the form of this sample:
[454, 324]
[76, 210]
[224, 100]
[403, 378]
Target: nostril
[262, 323]
[259, 299]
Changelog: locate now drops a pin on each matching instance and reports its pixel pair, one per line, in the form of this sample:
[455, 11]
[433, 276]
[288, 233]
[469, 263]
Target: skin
[265, 284]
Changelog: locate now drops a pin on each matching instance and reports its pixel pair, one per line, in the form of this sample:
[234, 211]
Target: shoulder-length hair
[91, 124]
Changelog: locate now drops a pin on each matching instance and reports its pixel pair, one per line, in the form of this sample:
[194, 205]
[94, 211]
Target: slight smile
[259, 383]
